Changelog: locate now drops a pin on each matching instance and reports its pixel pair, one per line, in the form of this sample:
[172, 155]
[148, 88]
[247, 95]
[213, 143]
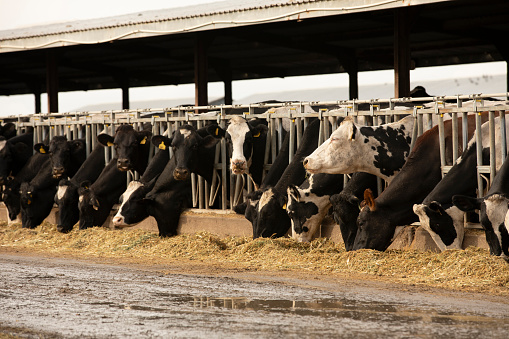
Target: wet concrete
[49, 297]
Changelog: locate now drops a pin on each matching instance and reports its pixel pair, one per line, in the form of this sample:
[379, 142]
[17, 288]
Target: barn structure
[250, 39]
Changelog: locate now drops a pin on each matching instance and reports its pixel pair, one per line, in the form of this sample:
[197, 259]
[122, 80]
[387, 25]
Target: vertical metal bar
[279, 133]
[87, 138]
[464, 129]
[292, 140]
[478, 139]
[455, 135]
[224, 172]
[493, 163]
[299, 131]
[503, 135]
[193, 189]
[273, 141]
[441, 136]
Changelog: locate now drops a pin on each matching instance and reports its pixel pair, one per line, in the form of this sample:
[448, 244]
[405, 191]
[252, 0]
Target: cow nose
[123, 164]
[180, 173]
[117, 221]
[58, 171]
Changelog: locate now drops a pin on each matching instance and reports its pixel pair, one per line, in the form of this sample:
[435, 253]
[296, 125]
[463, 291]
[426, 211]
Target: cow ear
[293, 193]
[144, 136]
[282, 199]
[9, 130]
[466, 203]
[350, 128]
[370, 200]
[105, 139]
[161, 142]
[240, 208]
[259, 131]
[216, 131]
[41, 148]
[95, 203]
[209, 141]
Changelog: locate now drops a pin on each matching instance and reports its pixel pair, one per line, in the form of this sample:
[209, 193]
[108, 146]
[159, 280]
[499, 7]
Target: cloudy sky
[23, 13]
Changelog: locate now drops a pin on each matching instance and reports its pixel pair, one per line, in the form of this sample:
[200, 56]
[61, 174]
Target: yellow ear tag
[42, 150]
[143, 141]
[29, 202]
[284, 206]
[217, 131]
[109, 143]
[162, 146]
[257, 135]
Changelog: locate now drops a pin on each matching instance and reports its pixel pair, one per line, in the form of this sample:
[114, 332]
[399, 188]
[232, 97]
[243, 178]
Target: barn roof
[249, 39]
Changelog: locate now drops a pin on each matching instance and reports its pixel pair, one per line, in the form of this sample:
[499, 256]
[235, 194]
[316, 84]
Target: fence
[293, 116]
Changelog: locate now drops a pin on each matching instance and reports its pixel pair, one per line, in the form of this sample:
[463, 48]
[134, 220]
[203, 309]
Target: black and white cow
[437, 214]
[11, 195]
[14, 153]
[346, 205]
[494, 212]
[247, 145]
[67, 193]
[266, 208]
[379, 219]
[37, 196]
[309, 204]
[132, 208]
[379, 150]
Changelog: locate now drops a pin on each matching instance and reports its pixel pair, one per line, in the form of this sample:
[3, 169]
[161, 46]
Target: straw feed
[473, 269]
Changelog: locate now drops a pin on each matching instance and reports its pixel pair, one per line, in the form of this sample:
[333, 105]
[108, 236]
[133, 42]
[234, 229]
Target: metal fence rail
[293, 116]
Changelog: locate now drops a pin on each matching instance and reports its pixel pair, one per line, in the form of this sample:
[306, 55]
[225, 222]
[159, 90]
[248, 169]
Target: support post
[401, 53]
[200, 71]
[125, 96]
[52, 81]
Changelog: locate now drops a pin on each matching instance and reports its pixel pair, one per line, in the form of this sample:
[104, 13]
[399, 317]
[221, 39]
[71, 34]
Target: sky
[24, 13]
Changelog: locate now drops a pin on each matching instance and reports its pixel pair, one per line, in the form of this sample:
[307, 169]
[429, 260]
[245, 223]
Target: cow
[8, 130]
[379, 219]
[308, 204]
[437, 214]
[67, 193]
[380, 150]
[494, 212]
[132, 207]
[247, 141]
[131, 147]
[37, 196]
[14, 153]
[11, 194]
[346, 205]
[266, 208]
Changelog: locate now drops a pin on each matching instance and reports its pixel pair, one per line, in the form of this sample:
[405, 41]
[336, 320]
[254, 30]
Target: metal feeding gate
[292, 117]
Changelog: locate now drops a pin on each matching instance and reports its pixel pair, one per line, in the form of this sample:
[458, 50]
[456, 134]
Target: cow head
[127, 142]
[374, 230]
[338, 153]
[306, 211]
[345, 207]
[61, 153]
[35, 204]
[188, 150]
[67, 199]
[11, 197]
[7, 154]
[8, 130]
[494, 219]
[88, 205]
[240, 135]
[132, 205]
[445, 225]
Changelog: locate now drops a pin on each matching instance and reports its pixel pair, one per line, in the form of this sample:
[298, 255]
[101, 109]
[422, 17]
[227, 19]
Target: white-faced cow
[247, 145]
[308, 204]
[379, 219]
[437, 214]
[67, 192]
[346, 205]
[494, 212]
[38, 194]
[380, 150]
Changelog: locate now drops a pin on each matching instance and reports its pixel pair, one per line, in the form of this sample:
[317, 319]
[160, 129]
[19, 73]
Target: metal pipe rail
[427, 112]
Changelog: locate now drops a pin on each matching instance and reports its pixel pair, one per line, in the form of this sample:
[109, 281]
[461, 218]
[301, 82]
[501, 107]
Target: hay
[472, 269]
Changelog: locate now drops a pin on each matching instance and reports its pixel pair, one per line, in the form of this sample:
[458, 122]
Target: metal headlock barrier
[290, 116]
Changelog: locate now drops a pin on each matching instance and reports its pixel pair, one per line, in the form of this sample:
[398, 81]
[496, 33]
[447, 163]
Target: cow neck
[280, 164]
[91, 168]
[501, 182]
[111, 179]
[143, 154]
[155, 166]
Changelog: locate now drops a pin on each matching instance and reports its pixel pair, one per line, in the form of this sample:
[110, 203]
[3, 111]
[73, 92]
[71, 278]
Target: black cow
[14, 153]
[493, 208]
[37, 196]
[67, 194]
[11, 194]
[346, 205]
[379, 219]
[8, 130]
[131, 147]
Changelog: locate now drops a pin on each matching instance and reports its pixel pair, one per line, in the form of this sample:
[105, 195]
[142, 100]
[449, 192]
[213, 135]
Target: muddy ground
[62, 296]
